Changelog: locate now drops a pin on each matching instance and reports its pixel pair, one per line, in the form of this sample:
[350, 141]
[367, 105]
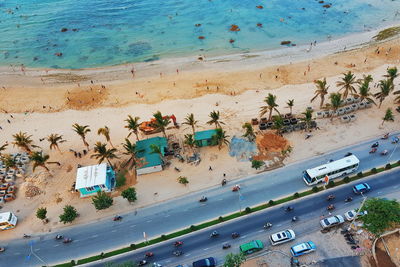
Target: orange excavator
[149, 127]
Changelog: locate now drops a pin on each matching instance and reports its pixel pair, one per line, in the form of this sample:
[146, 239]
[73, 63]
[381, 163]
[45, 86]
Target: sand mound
[272, 142]
[86, 98]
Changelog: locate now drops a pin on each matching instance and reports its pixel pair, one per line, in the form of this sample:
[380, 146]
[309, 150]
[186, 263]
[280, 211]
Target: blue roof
[203, 135]
[147, 158]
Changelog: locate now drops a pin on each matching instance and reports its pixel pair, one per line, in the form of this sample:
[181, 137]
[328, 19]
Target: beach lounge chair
[254, 121]
[263, 120]
[348, 109]
[320, 114]
[345, 118]
[263, 126]
[340, 111]
[293, 121]
[354, 107]
[286, 122]
[270, 124]
[368, 104]
[9, 178]
[361, 105]
[9, 197]
[3, 193]
[313, 124]
[349, 100]
[352, 117]
[326, 114]
[356, 99]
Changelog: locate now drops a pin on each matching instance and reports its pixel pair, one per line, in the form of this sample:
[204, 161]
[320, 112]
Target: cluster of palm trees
[348, 85]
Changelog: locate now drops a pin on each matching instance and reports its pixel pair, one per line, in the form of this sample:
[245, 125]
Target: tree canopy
[234, 260]
[382, 214]
[129, 194]
[102, 201]
[69, 214]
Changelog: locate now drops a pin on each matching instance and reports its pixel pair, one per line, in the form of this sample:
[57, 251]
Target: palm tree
[133, 126]
[307, 117]
[102, 153]
[364, 89]
[391, 74]
[220, 138]
[82, 131]
[9, 161]
[270, 100]
[189, 120]
[54, 139]
[23, 141]
[161, 123]
[105, 131]
[214, 115]
[3, 147]
[388, 116]
[321, 91]
[39, 160]
[386, 87]
[249, 132]
[346, 84]
[155, 149]
[189, 140]
[290, 104]
[336, 101]
[132, 151]
[278, 124]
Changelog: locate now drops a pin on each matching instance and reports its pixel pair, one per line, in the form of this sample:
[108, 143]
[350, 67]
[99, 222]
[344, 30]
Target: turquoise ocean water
[103, 33]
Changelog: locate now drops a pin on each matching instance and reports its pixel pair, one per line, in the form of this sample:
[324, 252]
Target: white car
[282, 237]
[332, 221]
[352, 213]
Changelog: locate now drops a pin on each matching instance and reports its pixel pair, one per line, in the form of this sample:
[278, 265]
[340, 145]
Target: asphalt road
[198, 245]
[91, 239]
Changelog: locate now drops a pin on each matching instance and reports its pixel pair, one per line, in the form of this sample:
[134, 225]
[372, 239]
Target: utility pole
[358, 210]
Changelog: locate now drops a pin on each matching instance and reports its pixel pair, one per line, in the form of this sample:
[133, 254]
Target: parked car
[361, 188]
[332, 221]
[352, 213]
[207, 262]
[251, 247]
[303, 248]
[282, 237]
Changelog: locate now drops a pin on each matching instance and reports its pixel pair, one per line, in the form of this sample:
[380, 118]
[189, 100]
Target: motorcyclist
[235, 235]
[330, 197]
[289, 208]
[330, 207]
[214, 234]
[58, 237]
[203, 199]
[294, 219]
[149, 254]
[348, 199]
[267, 225]
[178, 243]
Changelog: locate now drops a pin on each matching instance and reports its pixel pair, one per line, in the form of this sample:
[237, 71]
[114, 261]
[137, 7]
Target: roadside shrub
[315, 189]
[374, 170]
[183, 180]
[331, 184]
[132, 246]
[220, 218]
[360, 174]
[398, 162]
[256, 164]
[102, 200]
[271, 202]
[120, 180]
[247, 210]
[388, 166]
[163, 237]
[192, 228]
[73, 263]
[101, 255]
[296, 195]
[346, 179]
[41, 213]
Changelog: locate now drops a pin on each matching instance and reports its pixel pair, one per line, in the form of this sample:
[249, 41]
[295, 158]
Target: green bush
[129, 194]
[163, 237]
[360, 174]
[271, 202]
[41, 213]
[247, 210]
[192, 228]
[69, 214]
[120, 180]
[388, 166]
[331, 184]
[315, 189]
[73, 263]
[374, 170]
[256, 164]
[296, 195]
[346, 179]
[220, 218]
[132, 246]
[102, 201]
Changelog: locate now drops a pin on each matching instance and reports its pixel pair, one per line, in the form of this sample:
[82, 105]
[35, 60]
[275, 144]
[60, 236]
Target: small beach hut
[90, 179]
[150, 162]
[204, 138]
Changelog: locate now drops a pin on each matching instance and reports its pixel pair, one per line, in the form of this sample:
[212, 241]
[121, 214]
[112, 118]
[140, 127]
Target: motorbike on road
[348, 199]
[203, 199]
[67, 240]
[178, 243]
[267, 225]
[330, 197]
[214, 234]
[384, 152]
[117, 218]
[226, 246]
[373, 150]
[330, 207]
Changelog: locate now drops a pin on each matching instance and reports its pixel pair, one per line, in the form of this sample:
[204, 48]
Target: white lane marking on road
[220, 199]
[37, 249]
[77, 240]
[148, 221]
[113, 231]
[279, 225]
[380, 192]
[17, 253]
[168, 261]
[133, 225]
[243, 236]
[56, 245]
[206, 248]
[94, 236]
[187, 255]
[260, 231]
[166, 216]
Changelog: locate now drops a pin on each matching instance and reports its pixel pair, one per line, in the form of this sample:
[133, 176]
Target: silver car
[332, 221]
[282, 237]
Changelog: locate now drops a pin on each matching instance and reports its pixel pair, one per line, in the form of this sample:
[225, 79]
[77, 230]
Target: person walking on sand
[210, 169]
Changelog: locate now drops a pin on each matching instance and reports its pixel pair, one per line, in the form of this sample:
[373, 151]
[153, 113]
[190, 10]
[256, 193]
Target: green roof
[150, 159]
[204, 135]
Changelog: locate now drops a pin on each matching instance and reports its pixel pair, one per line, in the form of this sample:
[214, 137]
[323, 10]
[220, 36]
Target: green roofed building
[204, 138]
[150, 162]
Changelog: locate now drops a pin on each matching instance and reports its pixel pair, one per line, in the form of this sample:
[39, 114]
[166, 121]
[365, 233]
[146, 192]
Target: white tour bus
[7, 220]
[332, 169]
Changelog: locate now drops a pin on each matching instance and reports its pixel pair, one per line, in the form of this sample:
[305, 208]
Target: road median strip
[229, 217]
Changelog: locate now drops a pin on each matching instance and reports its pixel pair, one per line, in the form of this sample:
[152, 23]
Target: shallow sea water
[116, 32]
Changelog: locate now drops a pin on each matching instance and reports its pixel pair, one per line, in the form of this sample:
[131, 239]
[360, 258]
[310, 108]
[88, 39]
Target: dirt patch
[131, 180]
[270, 146]
[393, 245]
[86, 98]
[383, 258]
[65, 77]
